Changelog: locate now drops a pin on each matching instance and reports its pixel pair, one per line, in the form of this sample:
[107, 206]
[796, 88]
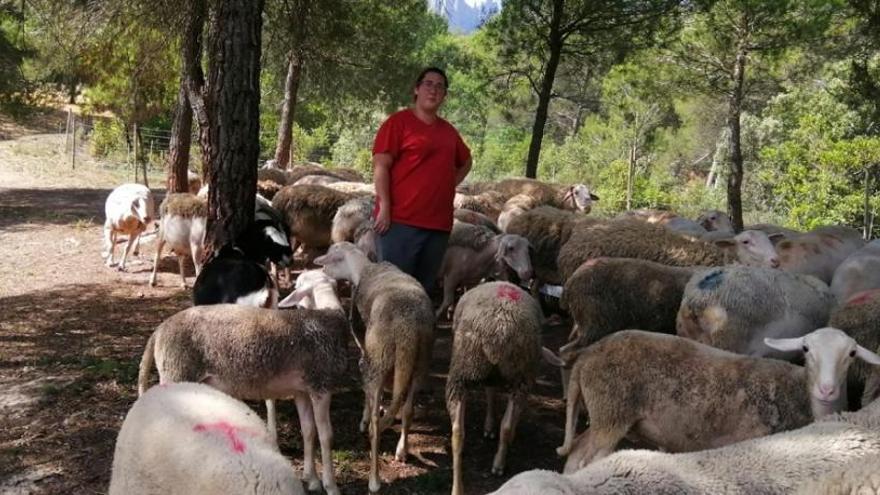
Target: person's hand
[383, 221]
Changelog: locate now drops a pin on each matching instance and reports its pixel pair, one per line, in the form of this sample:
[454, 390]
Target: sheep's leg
[374, 391]
[132, 239]
[406, 414]
[307, 425]
[181, 263]
[456, 413]
[109, 242]
[321, 408]
[508, 430]
[159, 245]
[572, 409]
[198, 253]
[271, 420]
[597, 442]
[365, 418]
[449, 286]
[489, 423]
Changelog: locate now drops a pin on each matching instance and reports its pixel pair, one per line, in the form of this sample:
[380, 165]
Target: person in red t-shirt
[418, 159]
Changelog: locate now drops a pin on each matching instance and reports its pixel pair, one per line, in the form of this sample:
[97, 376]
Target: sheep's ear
[776, 236]
[550, 357]
[321, 260]
[794, 344]
[594, 197]
[867, 356]
[292, 299]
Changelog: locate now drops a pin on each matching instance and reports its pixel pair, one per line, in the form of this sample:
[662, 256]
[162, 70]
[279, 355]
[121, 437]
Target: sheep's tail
[405, 363]
[146, 365]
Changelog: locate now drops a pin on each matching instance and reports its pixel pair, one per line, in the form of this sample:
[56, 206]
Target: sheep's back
[185, 205]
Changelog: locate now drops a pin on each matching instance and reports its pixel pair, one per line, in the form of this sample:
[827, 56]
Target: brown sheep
[308, 212]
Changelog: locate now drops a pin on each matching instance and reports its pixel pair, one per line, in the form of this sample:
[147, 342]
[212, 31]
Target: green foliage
[108, 136]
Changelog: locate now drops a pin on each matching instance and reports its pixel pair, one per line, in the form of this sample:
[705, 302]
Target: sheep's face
[828, 353]
[715, 220]
[336, 262]
[582, 197]
[752, 248]
[513, 250]
[276, 246]
[307, 283]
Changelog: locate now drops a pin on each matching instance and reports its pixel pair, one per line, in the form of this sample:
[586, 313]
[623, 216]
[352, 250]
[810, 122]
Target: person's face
[431, 92]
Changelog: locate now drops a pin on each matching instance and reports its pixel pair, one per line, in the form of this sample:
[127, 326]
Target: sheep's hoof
[314, 484]
[489, 434]
[562, 451]
[401, 454]
[120, 268]
[374, 485]
[152, 283]
[332, 490]
[498, 470]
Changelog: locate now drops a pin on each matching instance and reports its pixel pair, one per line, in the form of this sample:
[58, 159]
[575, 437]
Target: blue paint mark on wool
[712, 280]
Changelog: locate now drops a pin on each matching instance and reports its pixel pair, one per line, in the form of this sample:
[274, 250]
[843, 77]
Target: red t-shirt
[425, 159]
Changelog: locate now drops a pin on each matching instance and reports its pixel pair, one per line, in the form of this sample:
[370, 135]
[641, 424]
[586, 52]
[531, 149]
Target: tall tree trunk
[630, 176]
[555, 43]
[234, 89]
[177, 163]
[735, 177]
[288, 110]
[196, 12]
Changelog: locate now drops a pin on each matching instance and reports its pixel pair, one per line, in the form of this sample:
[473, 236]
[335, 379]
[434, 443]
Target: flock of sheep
[744, 359]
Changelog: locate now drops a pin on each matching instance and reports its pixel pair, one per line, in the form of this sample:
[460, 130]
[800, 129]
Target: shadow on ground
[68, 367]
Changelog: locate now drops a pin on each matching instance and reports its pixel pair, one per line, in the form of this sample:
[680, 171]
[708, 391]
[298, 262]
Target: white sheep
[820, 251]
[497, 328]
[189, 438]
[683, 396]
[859, 272]
[836, 455]
[129, 210]
[255, 353]
[183, 227]
[398, 341]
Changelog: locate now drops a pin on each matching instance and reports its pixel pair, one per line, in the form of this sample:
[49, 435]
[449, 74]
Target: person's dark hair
[435, 70]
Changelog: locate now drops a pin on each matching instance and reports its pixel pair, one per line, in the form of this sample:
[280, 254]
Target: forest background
[659, 104]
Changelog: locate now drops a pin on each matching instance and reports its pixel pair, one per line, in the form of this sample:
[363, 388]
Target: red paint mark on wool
[224, 428]
[862, 297]
[507, 292]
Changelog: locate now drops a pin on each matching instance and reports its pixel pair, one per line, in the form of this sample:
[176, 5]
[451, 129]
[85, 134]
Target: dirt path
[72, 331]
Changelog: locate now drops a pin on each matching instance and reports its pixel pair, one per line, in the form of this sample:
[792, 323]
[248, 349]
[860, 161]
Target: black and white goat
[238, 273]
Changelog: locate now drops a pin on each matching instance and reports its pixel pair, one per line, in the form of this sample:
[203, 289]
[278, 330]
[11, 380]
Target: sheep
[605, 295]
[353, 222]
[317, 180]
[358, 188]
[735, 307]
[859, 317]
[647, 215]
[308, 212]
[399, 337]
[683, 396]
[637, 239]
[272, 174]
[860, 475]
[547, 229]
[497, 328]
[515, 207]
[183, 224]
[193, 182]
[129, 209]
[256, 353]
[837, 454]
[860, 271]
[475, 218]
[475, 252]
[820, 251]
[716, 221]
[191, 438]
[574, 197]
[300, 171]
[489, 203]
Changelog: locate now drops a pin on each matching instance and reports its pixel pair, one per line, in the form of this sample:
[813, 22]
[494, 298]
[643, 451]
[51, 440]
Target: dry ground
[72, 331]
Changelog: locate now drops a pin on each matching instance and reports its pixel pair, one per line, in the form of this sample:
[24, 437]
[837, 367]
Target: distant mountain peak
[465, 16]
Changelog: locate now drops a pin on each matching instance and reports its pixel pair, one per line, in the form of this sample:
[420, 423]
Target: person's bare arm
[382, 183]
[462, 171]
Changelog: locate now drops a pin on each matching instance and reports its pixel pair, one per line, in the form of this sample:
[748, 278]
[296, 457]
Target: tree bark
[177, 164]
[288, 110]
[234, 91]
[555, 44]
[196, 12]
[630, 176]
[735, 177]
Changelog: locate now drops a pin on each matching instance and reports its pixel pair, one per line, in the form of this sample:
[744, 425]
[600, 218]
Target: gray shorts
[416, 251]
